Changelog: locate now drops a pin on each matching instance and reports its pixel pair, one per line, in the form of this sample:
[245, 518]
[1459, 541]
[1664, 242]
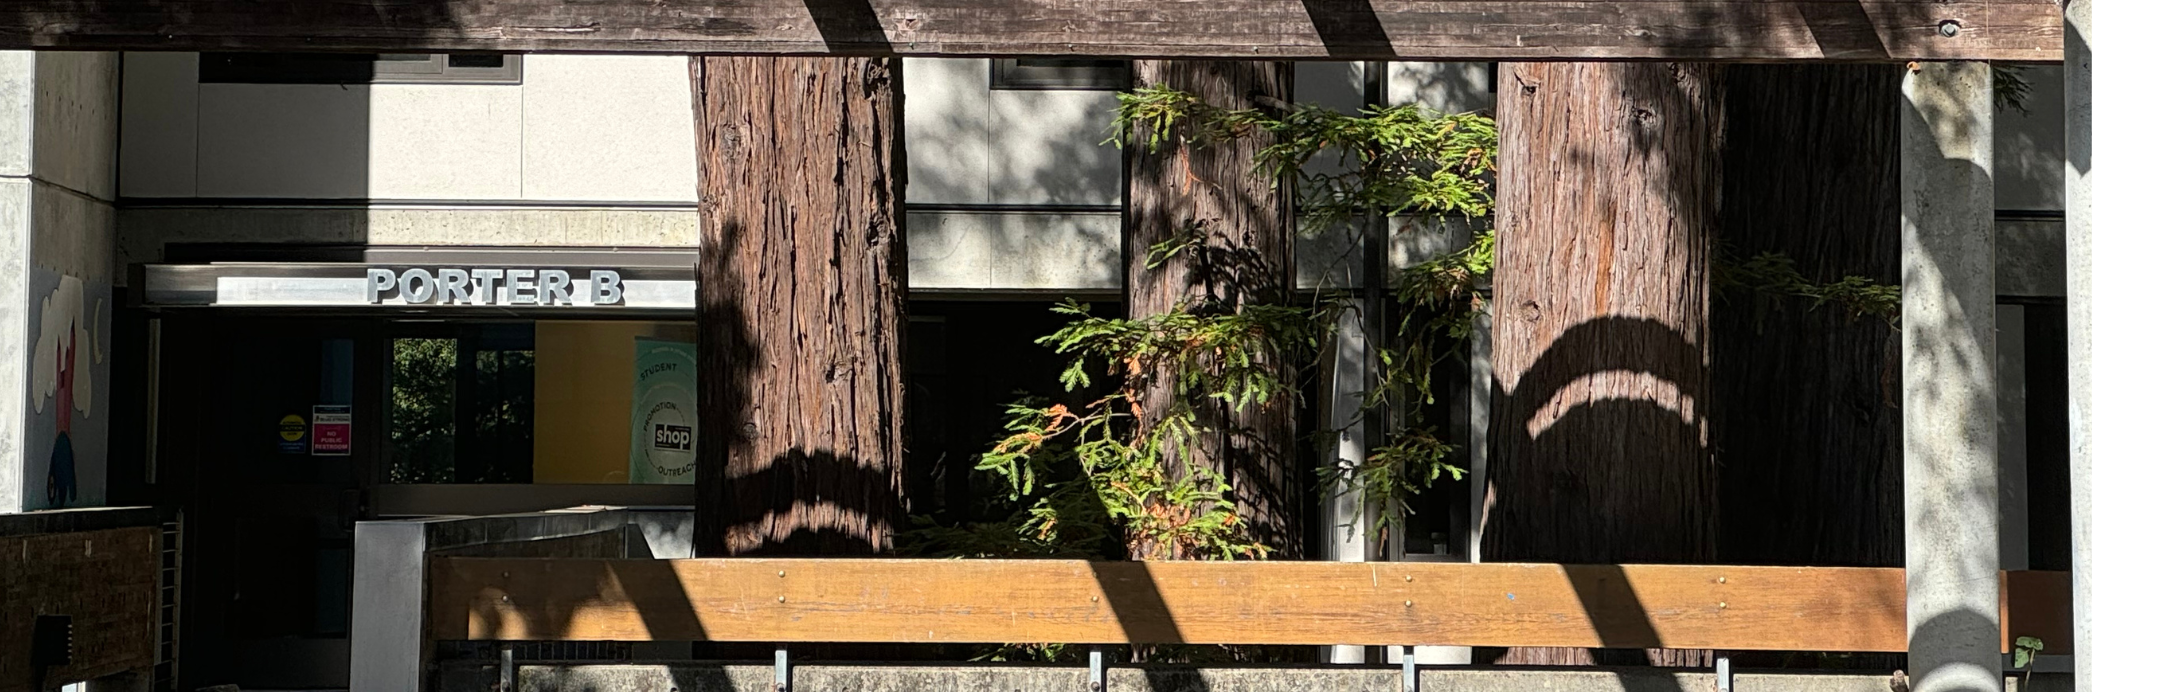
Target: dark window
[423, 410]
[461, 404]
[1059, 73]
[2047, 435]
[966, 361]
[360, 68]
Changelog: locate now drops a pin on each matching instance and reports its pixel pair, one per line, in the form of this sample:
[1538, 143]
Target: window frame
[1008, 74]
[313, 68]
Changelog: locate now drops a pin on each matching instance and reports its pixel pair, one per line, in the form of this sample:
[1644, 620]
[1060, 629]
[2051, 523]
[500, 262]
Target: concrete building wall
[158, 124]
[2029, 141]
[1014, 251]
[484, 164]
[577, 128]
[970, 144]
[59, 116]
[1012, 189]
[608, 128]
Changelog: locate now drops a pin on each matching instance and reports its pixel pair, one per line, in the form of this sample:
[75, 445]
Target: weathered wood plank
[1711, 30]
[2037, 604]
[106, 580]
[925, 601]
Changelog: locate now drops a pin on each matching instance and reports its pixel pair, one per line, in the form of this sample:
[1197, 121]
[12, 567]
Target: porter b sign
[493, 286]
[479, 284]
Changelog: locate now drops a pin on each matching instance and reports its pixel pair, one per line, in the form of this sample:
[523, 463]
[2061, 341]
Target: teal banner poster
[663, 435]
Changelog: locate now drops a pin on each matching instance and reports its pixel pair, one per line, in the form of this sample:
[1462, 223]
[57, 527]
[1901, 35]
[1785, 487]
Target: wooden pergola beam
[1199, 602]
[1514, 30]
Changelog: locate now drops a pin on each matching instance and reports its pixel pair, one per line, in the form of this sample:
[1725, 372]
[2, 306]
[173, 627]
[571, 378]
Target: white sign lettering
[488, 286]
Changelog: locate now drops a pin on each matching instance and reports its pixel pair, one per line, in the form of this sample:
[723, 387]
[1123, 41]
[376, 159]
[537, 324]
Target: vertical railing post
[1098, 670]
[783, 674]
[1409, 669]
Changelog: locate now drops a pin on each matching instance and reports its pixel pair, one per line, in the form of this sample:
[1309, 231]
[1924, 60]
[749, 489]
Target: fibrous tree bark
[801, 281]
[1608, 200]
[1807, 397]
[1241, 226]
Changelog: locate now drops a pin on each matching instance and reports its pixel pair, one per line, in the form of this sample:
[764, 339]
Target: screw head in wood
[1949, 28]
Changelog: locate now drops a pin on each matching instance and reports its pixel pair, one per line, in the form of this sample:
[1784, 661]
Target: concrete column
[2077, 292]
[59, 114]
[18, 116]
[1952, 614]
[2113, 242]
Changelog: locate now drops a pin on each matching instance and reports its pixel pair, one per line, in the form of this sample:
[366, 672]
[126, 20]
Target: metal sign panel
[266, 285]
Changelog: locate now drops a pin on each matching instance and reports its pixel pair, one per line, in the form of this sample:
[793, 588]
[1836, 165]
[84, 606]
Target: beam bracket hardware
[1724, 674]
[1098, 662]
[1409, 669]
[506, 670]
[783, 673]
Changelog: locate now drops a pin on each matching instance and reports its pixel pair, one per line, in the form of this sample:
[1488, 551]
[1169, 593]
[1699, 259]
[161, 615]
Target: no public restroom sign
[331, 433]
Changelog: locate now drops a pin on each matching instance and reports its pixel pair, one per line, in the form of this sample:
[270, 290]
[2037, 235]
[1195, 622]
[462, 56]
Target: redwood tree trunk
[1809, 433]
[801, 282]
[1608, 199]
[1246, 225]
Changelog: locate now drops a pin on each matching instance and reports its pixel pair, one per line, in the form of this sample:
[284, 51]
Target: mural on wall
[64, 443]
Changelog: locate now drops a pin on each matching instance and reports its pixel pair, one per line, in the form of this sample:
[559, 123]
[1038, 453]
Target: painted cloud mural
[64, 333]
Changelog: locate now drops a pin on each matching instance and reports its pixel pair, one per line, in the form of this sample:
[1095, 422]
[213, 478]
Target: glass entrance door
[273, 420]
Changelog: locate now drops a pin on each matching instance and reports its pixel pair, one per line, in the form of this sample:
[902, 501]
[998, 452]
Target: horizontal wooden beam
[2037, 604]
[988, 601]
[1070, 601]
[1709, 30]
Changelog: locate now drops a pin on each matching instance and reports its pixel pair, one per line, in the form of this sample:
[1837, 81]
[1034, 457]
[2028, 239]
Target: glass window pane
[359, 68]
[423, 406]
[1081, 63]
[477, 61]
[502, 419]
[1058, 73]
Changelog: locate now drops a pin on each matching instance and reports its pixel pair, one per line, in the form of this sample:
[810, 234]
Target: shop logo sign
[667, 436]
[664, 413]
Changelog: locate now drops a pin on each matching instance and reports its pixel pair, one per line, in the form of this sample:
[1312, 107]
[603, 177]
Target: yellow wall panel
[582, 376]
